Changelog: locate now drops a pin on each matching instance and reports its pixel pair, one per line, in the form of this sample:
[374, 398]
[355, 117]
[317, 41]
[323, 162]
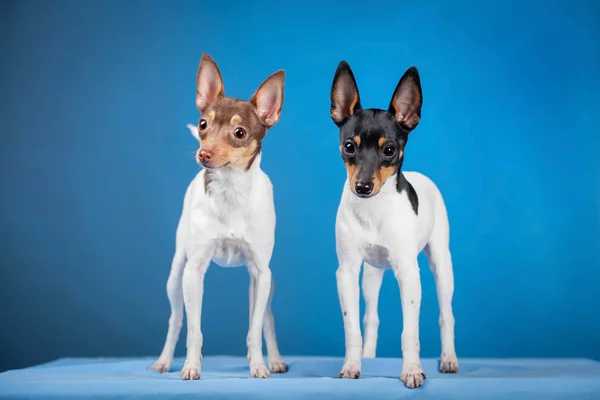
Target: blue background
[95, 159]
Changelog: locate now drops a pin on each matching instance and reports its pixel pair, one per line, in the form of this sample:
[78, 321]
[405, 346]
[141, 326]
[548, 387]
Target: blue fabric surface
[308, 378]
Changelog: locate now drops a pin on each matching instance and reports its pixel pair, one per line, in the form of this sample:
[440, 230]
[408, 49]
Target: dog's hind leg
[175, 294]
[440, 263]
[371, 284]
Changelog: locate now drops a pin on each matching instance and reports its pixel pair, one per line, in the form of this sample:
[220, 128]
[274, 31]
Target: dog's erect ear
[209, 84]
[345, 100]
[268, 99]
[407, 99]
[194, 131]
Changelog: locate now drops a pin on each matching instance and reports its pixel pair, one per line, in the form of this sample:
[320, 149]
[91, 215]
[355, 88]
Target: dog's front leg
[348, 291]
[406, 270]
[261, 275]
[193, 290]
[371, 285]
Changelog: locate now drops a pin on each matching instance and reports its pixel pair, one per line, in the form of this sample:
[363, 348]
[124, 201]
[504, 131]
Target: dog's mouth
[209, 165]
[364, 195]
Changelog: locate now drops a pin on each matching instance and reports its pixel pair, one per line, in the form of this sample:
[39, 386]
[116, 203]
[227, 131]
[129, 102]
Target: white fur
[234, 226]
[384, 232]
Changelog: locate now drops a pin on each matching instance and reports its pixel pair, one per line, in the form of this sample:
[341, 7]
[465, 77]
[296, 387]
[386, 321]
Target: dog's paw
[449, 364]
[161, 365]
[259, 370]
[412, 375]
[190, 372]
[277, 366]
[350, 370]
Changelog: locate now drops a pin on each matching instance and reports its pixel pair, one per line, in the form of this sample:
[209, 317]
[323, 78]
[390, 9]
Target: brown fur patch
[253, 157]
[352, 174]
[381, 141]
[211, 114]
[207, 179]
[356, 140]
[380, 176]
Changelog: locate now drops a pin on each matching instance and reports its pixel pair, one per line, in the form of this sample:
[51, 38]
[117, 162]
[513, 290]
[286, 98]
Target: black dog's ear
[407, 99]
[345, 100]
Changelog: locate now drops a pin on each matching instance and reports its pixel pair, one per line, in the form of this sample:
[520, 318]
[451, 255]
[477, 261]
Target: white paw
[412, 375]
[259, 370]
[350, 370]
[277, 365]
[161, 365]
[449, 364]
[190, 372]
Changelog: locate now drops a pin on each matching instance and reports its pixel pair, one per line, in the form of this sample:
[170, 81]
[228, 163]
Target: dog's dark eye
[349, 147]
[239, 133]
[389, 150]
[202, 124]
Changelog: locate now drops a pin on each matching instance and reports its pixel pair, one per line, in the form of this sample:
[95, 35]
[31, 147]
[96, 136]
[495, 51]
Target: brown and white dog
[228, 217]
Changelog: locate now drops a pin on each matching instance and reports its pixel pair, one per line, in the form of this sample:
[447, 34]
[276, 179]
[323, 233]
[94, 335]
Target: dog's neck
[229, 187]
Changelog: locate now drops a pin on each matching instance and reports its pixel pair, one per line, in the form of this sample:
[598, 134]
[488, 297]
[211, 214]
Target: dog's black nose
[363, 188]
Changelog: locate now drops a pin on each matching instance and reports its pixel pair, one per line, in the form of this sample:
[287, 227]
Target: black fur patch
[403, 184]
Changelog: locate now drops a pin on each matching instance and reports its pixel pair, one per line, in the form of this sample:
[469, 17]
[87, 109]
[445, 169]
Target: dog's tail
[194, 130]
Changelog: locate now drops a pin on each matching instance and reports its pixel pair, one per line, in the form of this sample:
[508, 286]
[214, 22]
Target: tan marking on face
[227, 155]
[352, 175]
[356, 140]
[211, 115]
[236, 119]
[382, 141]
[380, 176]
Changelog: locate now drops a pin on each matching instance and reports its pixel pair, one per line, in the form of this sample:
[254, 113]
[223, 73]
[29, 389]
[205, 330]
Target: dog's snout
[205, 155]
[363, 188]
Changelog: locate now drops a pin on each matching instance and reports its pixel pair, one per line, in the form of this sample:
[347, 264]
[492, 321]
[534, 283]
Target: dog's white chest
[235, 215]
[232, 229]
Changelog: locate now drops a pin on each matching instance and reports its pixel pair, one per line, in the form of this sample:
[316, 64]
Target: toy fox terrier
[228, 217]
[386, 218]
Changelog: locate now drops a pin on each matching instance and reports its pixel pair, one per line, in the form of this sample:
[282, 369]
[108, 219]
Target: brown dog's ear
[268, 99]
[407, 99]
[345, 100]
[209, 84]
